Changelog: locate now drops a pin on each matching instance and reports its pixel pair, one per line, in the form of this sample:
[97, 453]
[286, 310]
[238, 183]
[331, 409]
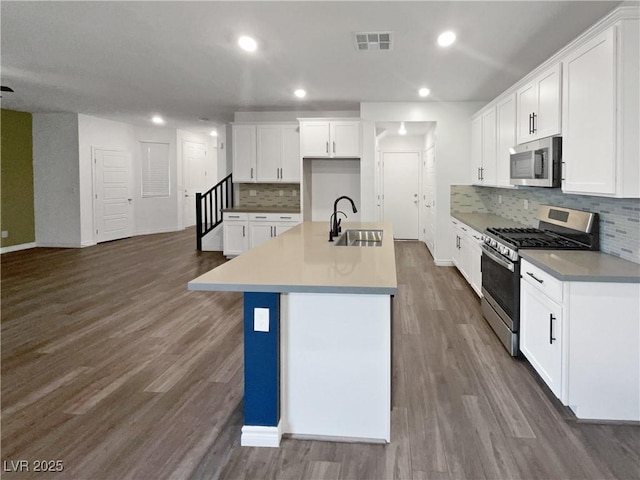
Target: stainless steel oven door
[501, 280]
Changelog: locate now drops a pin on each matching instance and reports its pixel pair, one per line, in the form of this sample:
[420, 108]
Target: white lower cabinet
[541, 335]
[467, 253]
[235, 228]
[243, 231]
[583, 339]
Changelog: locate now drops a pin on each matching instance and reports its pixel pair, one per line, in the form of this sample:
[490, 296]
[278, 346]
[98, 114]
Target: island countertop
[303, 260]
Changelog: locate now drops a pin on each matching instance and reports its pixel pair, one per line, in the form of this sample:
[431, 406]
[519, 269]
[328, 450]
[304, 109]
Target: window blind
[155, 169]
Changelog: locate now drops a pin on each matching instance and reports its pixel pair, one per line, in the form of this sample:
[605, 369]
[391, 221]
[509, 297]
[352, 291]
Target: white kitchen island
[317, 326]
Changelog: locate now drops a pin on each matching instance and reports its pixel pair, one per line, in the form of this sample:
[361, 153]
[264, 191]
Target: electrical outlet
[281, 193]
[252, 193]
[526, 204]
[294, 192]
[499, 198]
[5, 233]
[260, 319]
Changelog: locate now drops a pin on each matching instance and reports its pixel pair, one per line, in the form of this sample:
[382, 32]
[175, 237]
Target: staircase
[209, 206]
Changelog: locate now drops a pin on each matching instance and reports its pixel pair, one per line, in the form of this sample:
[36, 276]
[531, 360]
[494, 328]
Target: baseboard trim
[258, 436]
[15, 248]
[444, 263]
[162, 230]
[58, 245]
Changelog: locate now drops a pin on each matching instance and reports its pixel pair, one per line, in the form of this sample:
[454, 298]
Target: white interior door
[196, 178]
[401, 190]
[113, 208]
[429, 198]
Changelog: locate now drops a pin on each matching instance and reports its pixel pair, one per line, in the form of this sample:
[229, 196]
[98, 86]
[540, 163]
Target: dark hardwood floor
[111, 366]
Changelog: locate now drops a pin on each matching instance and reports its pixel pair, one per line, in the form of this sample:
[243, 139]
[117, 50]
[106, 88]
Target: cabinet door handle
[334, 147]
[327, 147]
[533, 122]
[481, 173]
[563, 169]
[551, 337]
[530, 122]
[535, 278]
[251, 172]
[243, 230]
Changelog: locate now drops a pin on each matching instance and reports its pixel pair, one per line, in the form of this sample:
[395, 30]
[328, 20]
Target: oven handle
[498, 259]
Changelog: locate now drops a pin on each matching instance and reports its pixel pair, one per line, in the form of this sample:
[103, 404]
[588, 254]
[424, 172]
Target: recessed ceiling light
[214, 133]
[424, 91]
[402, 131]
[300, 93]
[248, 44]
[157, 119]
[446, 38]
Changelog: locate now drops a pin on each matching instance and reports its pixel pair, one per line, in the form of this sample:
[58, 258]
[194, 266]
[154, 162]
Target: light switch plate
[260, 319]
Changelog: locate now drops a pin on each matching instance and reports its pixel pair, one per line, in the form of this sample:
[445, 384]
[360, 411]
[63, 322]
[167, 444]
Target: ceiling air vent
[366, 41]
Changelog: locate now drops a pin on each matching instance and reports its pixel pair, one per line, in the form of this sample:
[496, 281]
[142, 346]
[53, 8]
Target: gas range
[559, 229]
[507, 241]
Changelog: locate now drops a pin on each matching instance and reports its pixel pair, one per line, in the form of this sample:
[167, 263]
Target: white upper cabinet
[278, 153]
[268, 153]
[483, 147]
[506, 138]
[244, 153]
[489, 140]
[290, 166]
[330, 138]
[600, 114]
[538, 106]
[476, 149]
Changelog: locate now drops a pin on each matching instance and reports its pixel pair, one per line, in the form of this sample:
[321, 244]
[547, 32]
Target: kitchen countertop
[480, 221]
[262, 209]
[581, 266]
[303, 260]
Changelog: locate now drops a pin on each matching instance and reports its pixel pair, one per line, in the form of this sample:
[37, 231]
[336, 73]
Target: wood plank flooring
[110, 365]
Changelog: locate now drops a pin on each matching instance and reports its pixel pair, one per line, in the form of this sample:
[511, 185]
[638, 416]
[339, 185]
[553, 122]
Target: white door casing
[401, 193]
[112, 187]
[195, 177]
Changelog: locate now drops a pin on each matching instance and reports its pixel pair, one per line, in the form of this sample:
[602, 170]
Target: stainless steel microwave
[537, 163]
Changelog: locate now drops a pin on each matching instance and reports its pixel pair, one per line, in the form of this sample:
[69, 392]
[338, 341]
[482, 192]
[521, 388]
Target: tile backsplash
[619, 218]
[269, 195]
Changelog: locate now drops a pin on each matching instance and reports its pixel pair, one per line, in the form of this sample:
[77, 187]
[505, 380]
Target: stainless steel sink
[360, 238]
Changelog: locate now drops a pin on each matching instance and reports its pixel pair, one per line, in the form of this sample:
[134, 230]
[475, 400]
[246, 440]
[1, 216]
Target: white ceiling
[129, 60]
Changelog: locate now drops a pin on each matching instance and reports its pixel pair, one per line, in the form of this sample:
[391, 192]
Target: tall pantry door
[401, 190]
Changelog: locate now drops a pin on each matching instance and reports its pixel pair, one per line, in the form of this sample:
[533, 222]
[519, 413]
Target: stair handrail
[209, 206]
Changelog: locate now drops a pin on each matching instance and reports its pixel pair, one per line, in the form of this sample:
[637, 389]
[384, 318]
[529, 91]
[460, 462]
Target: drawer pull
[535, 278]
[260, 216]
[285, 218]
[234, 216]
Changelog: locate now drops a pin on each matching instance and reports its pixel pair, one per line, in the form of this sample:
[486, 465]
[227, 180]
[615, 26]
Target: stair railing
[209, 206]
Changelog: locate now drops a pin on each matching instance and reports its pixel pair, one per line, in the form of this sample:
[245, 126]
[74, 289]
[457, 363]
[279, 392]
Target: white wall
[413, 143]
[56, 179]
[291, 116]
[452, 140]
[151, 215]
[331, 179]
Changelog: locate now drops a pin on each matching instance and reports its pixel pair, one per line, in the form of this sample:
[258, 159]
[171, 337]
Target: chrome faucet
[335, 222]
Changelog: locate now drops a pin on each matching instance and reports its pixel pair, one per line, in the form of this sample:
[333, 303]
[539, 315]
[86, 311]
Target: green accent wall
[16, 178]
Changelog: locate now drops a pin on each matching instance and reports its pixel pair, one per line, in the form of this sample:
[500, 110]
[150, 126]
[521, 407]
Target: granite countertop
[262, 209]
[581, 266]
[303, 260]
[480, 221]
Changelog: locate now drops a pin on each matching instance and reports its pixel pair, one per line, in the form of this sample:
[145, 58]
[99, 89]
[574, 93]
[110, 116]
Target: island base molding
[259, 436]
